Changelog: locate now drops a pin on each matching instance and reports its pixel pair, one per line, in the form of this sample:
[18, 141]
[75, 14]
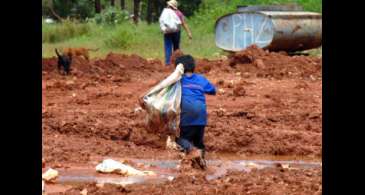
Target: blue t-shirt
[193, 106]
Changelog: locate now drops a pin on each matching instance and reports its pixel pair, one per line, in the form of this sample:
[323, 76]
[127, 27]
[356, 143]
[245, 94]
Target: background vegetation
[122, 26]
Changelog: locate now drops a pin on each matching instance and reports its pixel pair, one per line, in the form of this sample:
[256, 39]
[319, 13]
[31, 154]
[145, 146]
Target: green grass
[53, 33]
[147, 40]
[144, 40]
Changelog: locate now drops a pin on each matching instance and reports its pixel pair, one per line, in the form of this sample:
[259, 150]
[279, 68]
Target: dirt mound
[205, 66]
[251, 62]
[115, 61]
[255, 61]
[115, 67]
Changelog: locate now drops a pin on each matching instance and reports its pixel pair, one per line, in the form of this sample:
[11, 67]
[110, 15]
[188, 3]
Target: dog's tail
[58, 54]
[93, 49]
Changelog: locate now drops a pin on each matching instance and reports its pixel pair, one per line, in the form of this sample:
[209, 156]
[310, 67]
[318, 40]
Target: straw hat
[172, 3]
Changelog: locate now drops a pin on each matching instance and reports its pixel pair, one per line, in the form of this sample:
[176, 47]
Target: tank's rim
[277, 14]
[290, 7]
[291, 14]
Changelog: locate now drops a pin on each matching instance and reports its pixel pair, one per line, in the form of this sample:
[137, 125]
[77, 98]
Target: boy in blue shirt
[193, 117]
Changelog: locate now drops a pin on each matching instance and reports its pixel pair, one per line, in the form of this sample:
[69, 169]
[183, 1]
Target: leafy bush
[73, 8]
[112, 15]
[53, 33]
[83, 9]
[209, 11]
[189, 6]
[121, 37]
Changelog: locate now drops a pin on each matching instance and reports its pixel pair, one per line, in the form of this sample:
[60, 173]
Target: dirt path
[268, 104]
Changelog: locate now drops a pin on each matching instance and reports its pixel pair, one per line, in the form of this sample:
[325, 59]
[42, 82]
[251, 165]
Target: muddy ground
[273, 181]
[268, 104]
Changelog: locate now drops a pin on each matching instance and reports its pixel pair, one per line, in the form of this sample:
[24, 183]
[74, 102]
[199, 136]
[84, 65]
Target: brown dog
[73, 52]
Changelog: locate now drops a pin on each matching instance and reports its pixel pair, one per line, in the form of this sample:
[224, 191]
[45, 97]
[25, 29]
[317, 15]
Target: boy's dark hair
[188, 62]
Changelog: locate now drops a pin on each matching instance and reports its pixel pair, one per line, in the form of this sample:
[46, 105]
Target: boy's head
[188, 62]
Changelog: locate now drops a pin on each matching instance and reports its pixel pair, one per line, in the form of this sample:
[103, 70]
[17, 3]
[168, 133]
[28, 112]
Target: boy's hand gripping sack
[162, 103]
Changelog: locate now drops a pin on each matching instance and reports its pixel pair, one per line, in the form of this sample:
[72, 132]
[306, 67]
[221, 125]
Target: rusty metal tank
[289, 7]
[273, 30]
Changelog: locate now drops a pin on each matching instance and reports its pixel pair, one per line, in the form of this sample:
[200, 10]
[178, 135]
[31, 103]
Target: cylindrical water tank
[273, 30]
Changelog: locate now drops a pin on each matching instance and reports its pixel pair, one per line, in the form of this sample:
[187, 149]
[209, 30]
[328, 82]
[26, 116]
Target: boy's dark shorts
[191, 136]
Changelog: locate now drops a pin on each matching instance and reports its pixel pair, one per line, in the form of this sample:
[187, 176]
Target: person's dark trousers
[171, 43]
[191, 136]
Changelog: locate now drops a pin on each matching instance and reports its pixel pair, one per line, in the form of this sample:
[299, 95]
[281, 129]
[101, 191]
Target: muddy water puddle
[166, 170]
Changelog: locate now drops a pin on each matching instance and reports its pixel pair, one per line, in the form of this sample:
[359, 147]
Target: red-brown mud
[267, 104]
[266, 181]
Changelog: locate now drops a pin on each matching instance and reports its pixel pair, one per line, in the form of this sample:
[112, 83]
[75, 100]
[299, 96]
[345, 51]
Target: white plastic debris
[170, 178]
[50, 174]
[251, 165]
[285, 166]
[112, 166]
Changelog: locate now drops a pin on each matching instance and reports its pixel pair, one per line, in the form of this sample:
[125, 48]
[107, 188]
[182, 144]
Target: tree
[157, 9]
[60, 9]
[97, 6]
[149, 11]
[122, 4]
[112, 3]
[189, 6]
[136, 10]
[54, 13]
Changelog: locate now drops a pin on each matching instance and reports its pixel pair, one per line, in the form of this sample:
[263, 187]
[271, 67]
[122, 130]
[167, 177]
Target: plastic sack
[169, 21]
[162, 103]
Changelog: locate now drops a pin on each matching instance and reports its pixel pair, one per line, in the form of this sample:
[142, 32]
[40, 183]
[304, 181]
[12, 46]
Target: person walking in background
[171, 20]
